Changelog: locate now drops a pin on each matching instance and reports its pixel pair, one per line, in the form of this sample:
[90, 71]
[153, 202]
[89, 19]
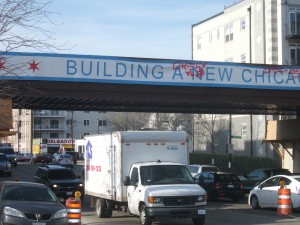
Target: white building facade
[250, 31]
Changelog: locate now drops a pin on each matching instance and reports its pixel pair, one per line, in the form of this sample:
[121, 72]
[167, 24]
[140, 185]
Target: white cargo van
[143, 172]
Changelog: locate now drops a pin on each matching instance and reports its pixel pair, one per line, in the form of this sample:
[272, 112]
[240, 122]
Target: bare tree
[122, 121]
[209, 128]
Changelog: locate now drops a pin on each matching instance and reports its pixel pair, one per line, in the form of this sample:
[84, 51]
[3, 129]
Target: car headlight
[60, 214]
[201, 198]
[12, 212]
[55, 186]
[80, 185]
[153, 200]
[8, 165]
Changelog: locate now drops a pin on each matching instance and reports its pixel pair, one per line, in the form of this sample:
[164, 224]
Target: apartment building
[249, 31]
[54, 130]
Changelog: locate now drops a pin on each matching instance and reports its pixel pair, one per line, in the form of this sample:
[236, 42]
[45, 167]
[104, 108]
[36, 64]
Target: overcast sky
[133, 28]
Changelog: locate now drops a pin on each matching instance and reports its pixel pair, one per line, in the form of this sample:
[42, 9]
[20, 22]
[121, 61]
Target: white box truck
[143, 172]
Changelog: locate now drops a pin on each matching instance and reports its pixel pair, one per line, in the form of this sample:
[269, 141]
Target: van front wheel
[144, 217]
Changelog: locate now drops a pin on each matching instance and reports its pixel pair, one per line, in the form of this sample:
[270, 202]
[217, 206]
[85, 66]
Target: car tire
[254, 202]
[144, 217]
[199, 221]
[100, 207]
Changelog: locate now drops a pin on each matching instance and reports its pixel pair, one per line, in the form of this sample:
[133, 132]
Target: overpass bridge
[105, 83]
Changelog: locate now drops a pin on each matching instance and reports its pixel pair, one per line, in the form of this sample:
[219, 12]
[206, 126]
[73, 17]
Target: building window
[210, 37]
[218, 34]
[229, 33]
[199, 42]
[243, 24]
[102, 123]
[86, 111]
[54, 135]
[86, 134]
[86, 122]
[54, 124]
[294, 20]
[243, 58]
[54, 112]
[294, 56]
[244, 130]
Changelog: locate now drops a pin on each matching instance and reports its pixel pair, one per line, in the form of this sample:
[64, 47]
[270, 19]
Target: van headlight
[153, 200]
[201, 198]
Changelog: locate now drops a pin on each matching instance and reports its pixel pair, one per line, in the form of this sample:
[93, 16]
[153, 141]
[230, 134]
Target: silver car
[26, 203]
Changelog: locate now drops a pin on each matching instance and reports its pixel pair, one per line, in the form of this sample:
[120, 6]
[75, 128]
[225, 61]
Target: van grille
[177, 201]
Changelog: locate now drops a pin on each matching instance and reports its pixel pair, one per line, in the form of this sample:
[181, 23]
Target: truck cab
[164, 190]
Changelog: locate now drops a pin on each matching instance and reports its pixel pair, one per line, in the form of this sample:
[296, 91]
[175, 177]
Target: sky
[130, 28]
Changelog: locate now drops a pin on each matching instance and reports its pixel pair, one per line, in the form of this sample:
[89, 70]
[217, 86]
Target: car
[41, 158]
[74, 154]
[266, 193]
[256, 176]
[10, 154]
[20, 157]
[29, 203]
[197, 168]
[28, 156]
[81, 156]
[62, 180]
[5, 166]
[63, 160]
[220, 184]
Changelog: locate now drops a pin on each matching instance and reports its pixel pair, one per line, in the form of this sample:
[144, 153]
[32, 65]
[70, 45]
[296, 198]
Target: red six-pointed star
[33, 66]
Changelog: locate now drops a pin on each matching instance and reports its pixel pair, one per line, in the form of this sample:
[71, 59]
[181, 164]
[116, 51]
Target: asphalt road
[222, 212]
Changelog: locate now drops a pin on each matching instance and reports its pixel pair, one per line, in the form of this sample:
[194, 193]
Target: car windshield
[61, 174]
[7, 150]
[193, 169]
[23, 193]
[165, 174]
[65, 156]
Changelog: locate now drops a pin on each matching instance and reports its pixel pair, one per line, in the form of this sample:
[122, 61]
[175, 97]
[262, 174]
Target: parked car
[196, 168]
[20, 157]
[28, 156]
[74, 155]
[41, 158]
[30, 203]
[256, 176]
[220, 184]
[10, 154]
[5, 166]
[62, 181]
[63, 160]
[266, 193]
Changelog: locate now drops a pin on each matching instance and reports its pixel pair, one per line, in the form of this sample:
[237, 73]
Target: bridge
[105, 83]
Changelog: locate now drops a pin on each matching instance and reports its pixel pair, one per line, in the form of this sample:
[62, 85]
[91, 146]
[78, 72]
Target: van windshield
[165, 174]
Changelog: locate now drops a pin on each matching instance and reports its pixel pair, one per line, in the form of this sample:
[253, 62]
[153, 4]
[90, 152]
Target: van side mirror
[127, 181]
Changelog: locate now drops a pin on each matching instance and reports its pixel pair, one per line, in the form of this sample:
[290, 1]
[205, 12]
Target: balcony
[47, 127]
[50, 114]
[294, 31]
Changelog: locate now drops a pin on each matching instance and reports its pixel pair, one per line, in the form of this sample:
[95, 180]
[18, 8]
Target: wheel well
[140, 205]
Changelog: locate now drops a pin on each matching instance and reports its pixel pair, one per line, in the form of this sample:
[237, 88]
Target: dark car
[74, 155]
[41, 158]
[5, 166]
[220, 184]
[10, 154]
[257, 176]
[29, 203]
[62, 181]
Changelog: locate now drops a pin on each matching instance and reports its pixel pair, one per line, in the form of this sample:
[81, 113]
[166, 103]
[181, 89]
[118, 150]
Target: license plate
[231, 186]
[69, 193]
[38, 223]
[201, 211]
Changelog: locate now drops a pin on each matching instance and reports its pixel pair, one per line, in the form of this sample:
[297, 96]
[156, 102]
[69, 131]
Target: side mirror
[127, 181]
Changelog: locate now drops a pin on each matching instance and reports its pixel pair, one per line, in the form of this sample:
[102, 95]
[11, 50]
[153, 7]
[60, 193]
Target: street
[221, 212]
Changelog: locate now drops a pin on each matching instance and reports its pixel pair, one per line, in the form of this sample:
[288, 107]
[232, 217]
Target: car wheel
[254, 202]
[100, 207]
[144, 217]
[199, 221]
